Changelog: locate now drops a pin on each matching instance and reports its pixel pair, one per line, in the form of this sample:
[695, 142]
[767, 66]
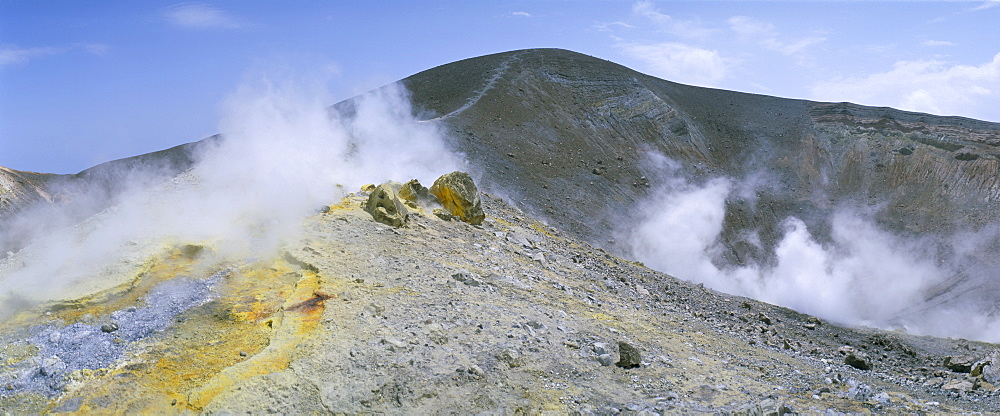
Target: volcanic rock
[605, 359]
[385, 206]
[629, 356]
[466, 277]
[767, 407]
[991, 371]
[458, 194]
[511, 357]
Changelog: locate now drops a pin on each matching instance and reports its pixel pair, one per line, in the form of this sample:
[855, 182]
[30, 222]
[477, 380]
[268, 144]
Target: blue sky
[86, 82]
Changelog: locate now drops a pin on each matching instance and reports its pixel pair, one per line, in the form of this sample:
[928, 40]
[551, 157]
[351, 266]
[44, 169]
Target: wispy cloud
[989, 4]
[11, 54]
[937, 43]
[766, 35]
[95, 48]
[610, 26]
[14, 55]
[932, 86]
[521, 14]
[684, 29]
[200, 15]
[648, 9]
[679, 62]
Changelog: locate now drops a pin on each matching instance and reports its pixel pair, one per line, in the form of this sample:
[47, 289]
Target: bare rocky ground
[438, 316]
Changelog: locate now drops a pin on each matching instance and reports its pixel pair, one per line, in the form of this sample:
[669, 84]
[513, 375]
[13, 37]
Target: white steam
[282, 157]
[865, 276]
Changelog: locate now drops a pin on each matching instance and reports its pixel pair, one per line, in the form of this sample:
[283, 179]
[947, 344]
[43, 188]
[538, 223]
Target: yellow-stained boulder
[458, 194]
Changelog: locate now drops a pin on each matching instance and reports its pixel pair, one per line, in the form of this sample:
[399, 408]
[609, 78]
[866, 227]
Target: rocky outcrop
[385, 206]
[991, 371]
[21, 192]
[458, 194]
[354, 318]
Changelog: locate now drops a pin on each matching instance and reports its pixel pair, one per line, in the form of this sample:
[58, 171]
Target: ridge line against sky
[82, 83]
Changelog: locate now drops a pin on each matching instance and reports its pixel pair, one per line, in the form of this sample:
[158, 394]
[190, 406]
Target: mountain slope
[544, 127]
[558, 115]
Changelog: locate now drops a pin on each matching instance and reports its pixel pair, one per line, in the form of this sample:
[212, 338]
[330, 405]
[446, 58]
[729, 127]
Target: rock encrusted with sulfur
[458, 194]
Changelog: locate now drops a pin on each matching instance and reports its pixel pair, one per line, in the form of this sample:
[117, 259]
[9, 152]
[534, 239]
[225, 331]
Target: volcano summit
[639, 246]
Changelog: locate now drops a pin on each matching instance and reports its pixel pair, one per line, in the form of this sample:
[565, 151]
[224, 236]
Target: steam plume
[282, 156]
[864, 276]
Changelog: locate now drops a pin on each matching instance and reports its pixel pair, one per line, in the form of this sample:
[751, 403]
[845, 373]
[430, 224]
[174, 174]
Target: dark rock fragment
[959, 364]
[466, 277]
[767, 407]
[444, 215]
[629, 356]
[855, 358]
[510, 356]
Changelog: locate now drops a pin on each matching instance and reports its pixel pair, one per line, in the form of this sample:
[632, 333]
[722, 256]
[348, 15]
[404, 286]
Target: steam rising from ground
[282, 157]
[866, 276]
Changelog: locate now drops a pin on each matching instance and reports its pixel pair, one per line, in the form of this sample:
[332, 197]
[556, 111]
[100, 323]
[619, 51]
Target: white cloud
[199, 15]
[11, 54]
[679, 62]
[932, 86]
[937, 43]
[766, 35]
[521, 14]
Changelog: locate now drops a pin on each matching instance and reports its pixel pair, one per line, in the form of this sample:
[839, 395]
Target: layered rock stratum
[525, 298]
